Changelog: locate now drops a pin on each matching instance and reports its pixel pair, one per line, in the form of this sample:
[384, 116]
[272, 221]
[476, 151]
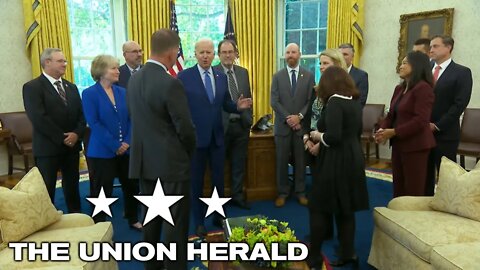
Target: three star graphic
[159, 204]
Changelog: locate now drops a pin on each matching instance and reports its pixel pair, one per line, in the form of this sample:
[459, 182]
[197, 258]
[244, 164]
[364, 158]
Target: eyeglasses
[135, 51]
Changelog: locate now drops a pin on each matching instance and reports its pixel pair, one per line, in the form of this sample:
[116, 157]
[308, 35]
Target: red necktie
[436, 72]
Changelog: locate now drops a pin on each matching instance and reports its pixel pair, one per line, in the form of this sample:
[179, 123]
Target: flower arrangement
[266, 231]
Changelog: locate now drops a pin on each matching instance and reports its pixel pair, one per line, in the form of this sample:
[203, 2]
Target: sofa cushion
[100, 232]
[420, 231]
[457, 256]
[458, 191]
[26, 208]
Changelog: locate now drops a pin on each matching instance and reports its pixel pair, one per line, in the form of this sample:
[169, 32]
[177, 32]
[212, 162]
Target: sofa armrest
[71, 221]
[411, 203]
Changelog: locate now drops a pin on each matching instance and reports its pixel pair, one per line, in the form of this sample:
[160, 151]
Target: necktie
[294, 82]
[232, 86]
[133, 71]
[61, 92]
[209, 87]
[436, 72]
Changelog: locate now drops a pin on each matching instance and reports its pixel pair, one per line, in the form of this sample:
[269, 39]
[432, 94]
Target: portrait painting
[422, 25]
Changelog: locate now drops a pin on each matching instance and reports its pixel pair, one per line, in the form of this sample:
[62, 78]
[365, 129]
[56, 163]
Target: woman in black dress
[341, 188]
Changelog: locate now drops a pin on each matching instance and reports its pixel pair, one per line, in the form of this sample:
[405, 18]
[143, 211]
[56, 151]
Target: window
[303, 22]
[92, 33]
[197, 19]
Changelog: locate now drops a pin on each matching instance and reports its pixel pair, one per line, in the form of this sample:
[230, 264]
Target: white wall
[16, 68]
[381, 33]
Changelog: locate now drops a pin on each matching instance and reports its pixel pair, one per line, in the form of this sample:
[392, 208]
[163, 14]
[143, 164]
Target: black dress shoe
[241, 204]
[341, 262]
[201, 231]
[218, 222]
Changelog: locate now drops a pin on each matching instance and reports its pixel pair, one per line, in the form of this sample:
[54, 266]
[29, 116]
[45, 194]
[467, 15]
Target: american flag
[173, 26]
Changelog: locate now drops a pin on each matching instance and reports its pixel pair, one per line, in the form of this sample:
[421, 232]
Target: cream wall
[382, 30]
[16, 66]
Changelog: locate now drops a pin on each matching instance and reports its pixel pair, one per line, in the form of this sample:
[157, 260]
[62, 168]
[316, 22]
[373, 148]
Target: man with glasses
[54, 107]
[132, 52]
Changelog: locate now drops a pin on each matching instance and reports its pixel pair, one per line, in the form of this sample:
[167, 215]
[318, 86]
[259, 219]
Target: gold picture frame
[422, 24]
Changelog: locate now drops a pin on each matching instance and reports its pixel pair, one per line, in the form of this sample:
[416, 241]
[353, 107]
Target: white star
[102, 203]
[215, 204]
[158, 204]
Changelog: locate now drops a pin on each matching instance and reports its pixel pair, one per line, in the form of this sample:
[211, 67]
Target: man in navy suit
[132, 52]
[453, 88]
[359, 76]
[207, 94]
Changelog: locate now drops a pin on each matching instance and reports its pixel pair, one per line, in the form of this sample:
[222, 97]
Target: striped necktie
[61, 92]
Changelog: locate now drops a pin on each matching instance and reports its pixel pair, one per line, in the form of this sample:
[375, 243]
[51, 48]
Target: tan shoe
[303, 200]
[280, 202]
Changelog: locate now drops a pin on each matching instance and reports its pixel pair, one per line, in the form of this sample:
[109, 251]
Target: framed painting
[422, 25]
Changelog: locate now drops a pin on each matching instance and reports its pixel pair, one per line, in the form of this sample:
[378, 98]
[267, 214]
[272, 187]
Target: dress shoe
[303, 200]
[201, 231]
[241, 204]
[341, 262]
[280, 202]
[217, 222]
[136, 226]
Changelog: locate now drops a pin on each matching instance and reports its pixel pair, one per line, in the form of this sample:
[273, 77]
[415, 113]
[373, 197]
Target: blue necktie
[209, 87]
[294, 82]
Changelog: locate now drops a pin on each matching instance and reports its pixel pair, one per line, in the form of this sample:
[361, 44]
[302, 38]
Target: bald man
[291, 92]
[207, 94]
[132, 52]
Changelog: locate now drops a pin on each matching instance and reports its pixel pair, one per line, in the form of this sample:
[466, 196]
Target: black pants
[170, 234]
[447, 149]
[236, 148]
[102, 173]
[68, 165]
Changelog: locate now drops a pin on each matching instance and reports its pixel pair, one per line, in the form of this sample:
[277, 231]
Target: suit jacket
[243, 85]
[207, 117]
[452, 95]
[361, 82]
[124, 76]
[412, 120]
[163, 136]
[51, 118]
[284, 104]
[105, 121]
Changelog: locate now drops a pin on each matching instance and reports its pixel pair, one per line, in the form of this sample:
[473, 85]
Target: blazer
[412, 124]
[452, 95]
[51, 118]
[284, 104]
[243, 85]
[124, 76]
[360, 78]
[163, 136]
[106, 121]
[207, 117]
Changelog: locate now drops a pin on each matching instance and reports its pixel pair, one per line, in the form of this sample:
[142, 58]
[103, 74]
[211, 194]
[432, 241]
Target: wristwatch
[300, 115]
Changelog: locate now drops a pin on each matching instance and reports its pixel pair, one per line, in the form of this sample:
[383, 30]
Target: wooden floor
[10, 181]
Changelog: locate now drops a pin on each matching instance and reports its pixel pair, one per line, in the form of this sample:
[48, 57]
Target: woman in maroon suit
[407, 126]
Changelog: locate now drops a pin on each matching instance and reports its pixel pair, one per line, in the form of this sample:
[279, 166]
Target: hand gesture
[71, 139]
[244, 103]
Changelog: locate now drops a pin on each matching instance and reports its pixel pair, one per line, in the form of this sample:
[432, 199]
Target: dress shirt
[443, 66]
[158, 63]
[53, 80]
[297, 70]
[210, 73]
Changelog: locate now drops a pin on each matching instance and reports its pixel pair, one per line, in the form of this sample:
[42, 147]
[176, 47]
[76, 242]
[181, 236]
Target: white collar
[202, 71]
[297, 69]
[227, 69]
[156, 62]
[51, 79]
[132, 69]
[349, 68]
[443, 65]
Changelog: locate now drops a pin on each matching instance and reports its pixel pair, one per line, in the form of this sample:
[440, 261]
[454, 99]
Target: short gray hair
[347, 46]
[47, 55]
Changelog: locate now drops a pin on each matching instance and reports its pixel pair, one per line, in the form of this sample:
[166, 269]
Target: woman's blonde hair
[100, 64]
[336, 57]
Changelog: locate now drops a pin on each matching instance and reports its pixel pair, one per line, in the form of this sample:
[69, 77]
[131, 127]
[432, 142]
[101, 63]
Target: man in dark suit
[162, 143]
[422, 45]
[54, 107]
[359, 76]
[132, 52]
[207, 93]
[236, 126]
[291, 92]
[453, 89]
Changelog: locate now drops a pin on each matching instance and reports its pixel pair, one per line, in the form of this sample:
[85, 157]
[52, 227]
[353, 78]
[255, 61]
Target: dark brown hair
[163, 40]
[335, 80]
[446, 40]
[227, 41]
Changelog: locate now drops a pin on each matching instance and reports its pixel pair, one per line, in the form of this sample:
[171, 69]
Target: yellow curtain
[346, 24]
[254, 23]
[46, 26]
[145, 17]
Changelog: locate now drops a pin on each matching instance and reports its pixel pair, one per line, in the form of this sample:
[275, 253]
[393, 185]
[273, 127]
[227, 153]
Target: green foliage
[267, 231]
